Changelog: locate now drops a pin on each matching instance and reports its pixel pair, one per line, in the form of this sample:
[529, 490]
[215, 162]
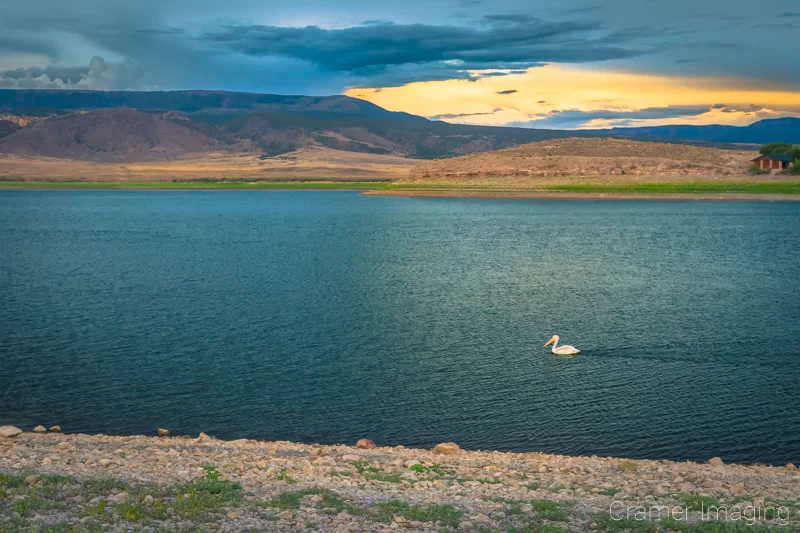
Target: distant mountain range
[130, 126]
[761, 132]
[208, 106]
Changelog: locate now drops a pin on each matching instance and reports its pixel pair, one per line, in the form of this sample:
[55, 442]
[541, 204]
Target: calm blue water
[328, 316]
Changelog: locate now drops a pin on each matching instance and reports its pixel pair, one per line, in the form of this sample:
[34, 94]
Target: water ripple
[326, 317]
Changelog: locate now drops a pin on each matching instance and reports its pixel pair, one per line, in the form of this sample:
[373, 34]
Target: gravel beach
[54, 482]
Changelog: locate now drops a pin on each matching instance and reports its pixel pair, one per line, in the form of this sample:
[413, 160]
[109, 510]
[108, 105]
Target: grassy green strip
[790, 187]
[688, 187]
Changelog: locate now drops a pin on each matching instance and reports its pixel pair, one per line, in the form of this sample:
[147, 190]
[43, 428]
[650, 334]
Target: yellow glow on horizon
[559, 87]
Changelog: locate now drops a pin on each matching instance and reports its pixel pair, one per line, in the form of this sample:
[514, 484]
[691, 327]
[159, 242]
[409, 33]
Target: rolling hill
[121, 134]
[588, 157]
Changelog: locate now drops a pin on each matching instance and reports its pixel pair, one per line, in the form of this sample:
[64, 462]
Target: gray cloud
[776, 26]
[508, 91]
[464, 115]
[99, 75]
[506, 41]
[573, 118]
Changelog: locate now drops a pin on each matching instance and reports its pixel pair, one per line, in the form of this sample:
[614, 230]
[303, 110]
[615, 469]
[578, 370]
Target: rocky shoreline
[57, 483]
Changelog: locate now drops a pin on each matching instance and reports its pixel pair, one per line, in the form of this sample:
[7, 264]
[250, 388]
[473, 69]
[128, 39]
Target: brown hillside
[7, 127]
[121, 134]
[589, 157]
[311, 163]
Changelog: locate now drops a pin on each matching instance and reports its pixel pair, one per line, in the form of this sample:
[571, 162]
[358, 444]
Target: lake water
[329, 316]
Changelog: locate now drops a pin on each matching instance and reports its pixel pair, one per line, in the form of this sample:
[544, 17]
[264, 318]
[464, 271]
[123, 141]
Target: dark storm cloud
[15, 42]
[572, 118]
[505, 72]
[776, 26]
[509, 91]
[506, 41]
[249, 45]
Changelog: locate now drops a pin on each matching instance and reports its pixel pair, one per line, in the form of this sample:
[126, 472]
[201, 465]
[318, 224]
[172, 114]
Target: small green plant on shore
[372, 473]
[211, 473]
[512, 507]
[550, 510]
[609, 492]
[291, 500]
[283, 476]
[383, 476]
[695, 502]
[446, 514]
[757, 170]
[98, 511]
[363, 466]
[9, 481]
[422, 469]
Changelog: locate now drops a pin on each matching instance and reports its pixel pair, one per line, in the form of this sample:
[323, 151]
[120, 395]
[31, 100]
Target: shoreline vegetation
[61, 483]
[708, 189]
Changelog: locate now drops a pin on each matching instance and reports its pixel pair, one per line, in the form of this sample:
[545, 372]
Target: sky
[565, 64]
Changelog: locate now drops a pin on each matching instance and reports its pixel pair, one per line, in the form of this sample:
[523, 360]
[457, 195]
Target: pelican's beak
[549, 342]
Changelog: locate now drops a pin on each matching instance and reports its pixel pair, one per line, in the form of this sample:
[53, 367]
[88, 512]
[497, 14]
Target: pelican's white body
[562, 350]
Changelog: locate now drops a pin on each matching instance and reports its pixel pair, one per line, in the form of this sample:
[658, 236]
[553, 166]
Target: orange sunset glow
[530, 98]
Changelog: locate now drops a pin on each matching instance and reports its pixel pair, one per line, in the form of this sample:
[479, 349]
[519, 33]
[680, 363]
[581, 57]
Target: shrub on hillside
[755, 169]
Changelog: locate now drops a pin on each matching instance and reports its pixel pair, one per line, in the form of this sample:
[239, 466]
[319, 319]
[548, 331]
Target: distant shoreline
[192, 185]
[589, 195]
[780, 191]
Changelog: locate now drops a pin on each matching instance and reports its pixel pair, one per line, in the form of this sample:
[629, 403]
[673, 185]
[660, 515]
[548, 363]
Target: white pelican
[561, 350]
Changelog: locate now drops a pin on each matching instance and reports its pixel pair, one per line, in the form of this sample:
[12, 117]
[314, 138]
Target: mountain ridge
[784, 129]
[46, 123]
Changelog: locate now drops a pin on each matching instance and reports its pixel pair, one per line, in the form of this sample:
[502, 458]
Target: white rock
[122, 497]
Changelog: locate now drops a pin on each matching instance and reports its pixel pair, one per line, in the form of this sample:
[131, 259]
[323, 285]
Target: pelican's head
[553, 339]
